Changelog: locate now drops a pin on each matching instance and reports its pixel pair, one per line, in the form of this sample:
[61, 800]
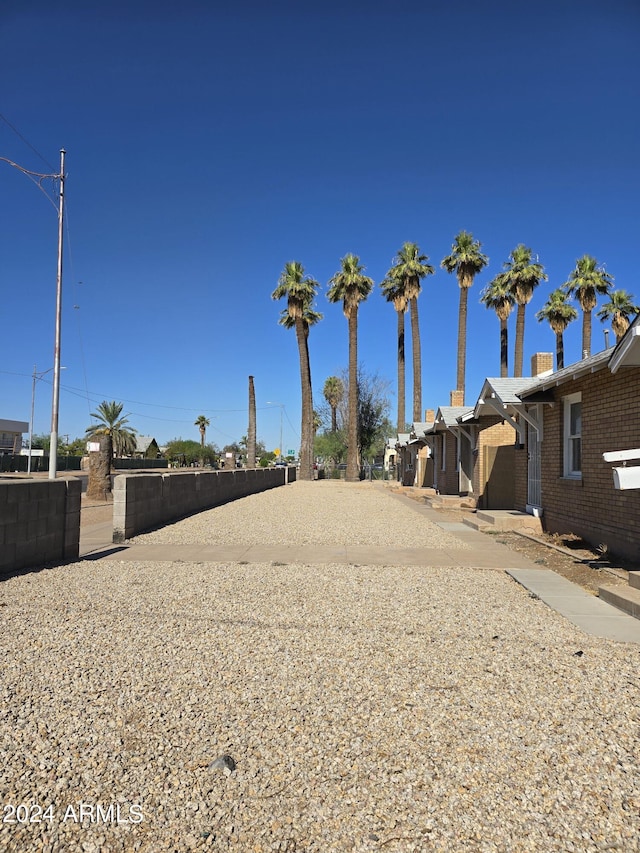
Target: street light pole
[53, 447]
[36, 376]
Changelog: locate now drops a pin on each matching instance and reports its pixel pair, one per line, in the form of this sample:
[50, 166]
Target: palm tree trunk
[402, 405]
[586, 333]
[462, 340]
[306, 441]
[559, 350]
[251, 431]
[417, 361]
[504, 348]
[353, 471]
[519, 353]
[334, 419]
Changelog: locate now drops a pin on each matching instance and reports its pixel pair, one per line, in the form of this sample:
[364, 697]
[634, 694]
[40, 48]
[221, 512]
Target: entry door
[534, 479]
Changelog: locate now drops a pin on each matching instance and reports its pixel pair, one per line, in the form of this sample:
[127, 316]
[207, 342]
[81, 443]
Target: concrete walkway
[586, 611]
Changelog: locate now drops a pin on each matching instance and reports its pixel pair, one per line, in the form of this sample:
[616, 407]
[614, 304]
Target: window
[573, 436]
[443, 460]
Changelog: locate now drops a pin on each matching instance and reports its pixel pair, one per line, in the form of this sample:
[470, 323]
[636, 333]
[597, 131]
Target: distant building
[146, 447]
[11, 436]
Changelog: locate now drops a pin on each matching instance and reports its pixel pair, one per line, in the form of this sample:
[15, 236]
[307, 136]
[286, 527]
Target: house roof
[403, 439]
[627, 351]
[143, 442]
[448, 415]
[503, 390]
[574, 371]
[14, 426]
[419, 428]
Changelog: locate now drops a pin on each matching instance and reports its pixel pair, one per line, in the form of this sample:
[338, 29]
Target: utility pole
[53, 447]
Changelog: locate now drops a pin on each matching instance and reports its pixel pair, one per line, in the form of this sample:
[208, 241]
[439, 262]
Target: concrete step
[509, 519]
[625, 598]
[634, 580]
[476, 524]
[451, 502]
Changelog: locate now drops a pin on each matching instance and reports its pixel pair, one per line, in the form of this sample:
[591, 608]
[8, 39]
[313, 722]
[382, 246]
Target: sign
[291, 453]
[277, 451]
[93, 446]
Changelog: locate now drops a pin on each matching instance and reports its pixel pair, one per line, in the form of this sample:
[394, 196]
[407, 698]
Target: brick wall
[39, 522]
[591, 507]
[143, 501]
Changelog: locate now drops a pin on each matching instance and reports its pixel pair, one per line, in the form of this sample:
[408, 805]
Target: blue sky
[206, 146]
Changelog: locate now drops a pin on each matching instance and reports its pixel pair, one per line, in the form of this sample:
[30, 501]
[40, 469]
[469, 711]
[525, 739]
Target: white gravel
[326, 512]
[365, 708]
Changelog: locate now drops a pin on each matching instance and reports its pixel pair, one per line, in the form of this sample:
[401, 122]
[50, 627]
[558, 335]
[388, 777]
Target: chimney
[457, 398]
[541, 362]
[429, 416]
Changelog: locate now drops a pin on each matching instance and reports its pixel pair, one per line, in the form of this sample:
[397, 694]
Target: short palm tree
[466, 260]
[620, 309]
[497, 295]
[586, 282]
[409, 267]
[333, 393]
[393, 291]
[558, 312]
[351, 287]
[300, 290]
[523, 275]
[121, 436]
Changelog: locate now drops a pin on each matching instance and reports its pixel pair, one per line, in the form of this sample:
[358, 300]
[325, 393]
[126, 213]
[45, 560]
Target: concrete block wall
[39, 522]
[144, 501]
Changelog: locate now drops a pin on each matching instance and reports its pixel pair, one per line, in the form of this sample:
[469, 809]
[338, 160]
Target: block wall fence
[144, 501]
[39, 522]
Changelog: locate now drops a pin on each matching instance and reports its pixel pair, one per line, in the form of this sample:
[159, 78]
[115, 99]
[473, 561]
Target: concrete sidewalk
[586, 611]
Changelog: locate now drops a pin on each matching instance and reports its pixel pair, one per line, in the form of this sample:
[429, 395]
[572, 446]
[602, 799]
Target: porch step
[502, 520]
[451, 502]
[626, 598]
[634, 580]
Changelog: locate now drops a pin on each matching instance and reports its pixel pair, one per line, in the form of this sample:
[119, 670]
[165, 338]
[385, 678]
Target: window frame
[568, 437]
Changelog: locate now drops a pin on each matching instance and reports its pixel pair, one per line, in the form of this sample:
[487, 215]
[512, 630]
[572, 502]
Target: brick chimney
[457, 398]
[541, 362]
[429, 416]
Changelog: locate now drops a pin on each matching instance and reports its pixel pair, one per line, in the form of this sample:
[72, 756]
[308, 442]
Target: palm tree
[309, 318]
[558, 313]
[408, 268]
[251, 430]
[202, 423]
[394, 291]
[351, 286]
[620, 309]
[333, 393]
[497, 295]
[300, 290]
[466, 260]
[586, 282]
[523, 275]
[121, 436]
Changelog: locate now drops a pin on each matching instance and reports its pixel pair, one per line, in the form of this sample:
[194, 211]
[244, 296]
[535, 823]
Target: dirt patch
[93, 511]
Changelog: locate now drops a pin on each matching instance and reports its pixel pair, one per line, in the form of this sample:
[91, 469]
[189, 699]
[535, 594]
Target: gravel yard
[365, 708]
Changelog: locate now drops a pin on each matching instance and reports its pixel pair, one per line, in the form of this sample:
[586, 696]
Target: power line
[26, 141]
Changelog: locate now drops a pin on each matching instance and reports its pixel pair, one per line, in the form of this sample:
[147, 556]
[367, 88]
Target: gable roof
[503, 391]
[627, 351]
[143, 442]
[448, 415]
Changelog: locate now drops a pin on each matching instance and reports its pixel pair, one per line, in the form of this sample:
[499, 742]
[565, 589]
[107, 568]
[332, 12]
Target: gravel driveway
[364, 708]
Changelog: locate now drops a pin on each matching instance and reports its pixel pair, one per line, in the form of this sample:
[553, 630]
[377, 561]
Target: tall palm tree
[121, 436]
[558, 312]
[251, 429]
[351, 287]
[620, 309]
[300, 290]
[523, 275]
[586, 282]
[466, 260]
[497, 295]
[333, 393]
[394, 291]
[202, 423]
[408, 269]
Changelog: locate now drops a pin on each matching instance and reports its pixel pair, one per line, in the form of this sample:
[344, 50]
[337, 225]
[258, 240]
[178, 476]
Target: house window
[443, 460]
[573, 436]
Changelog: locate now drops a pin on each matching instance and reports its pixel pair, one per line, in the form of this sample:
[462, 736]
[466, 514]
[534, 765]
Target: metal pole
[53, 447]
[281, 452]
[33, 400]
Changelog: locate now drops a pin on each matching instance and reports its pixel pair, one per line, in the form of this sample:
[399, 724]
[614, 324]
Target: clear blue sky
[207, 145]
